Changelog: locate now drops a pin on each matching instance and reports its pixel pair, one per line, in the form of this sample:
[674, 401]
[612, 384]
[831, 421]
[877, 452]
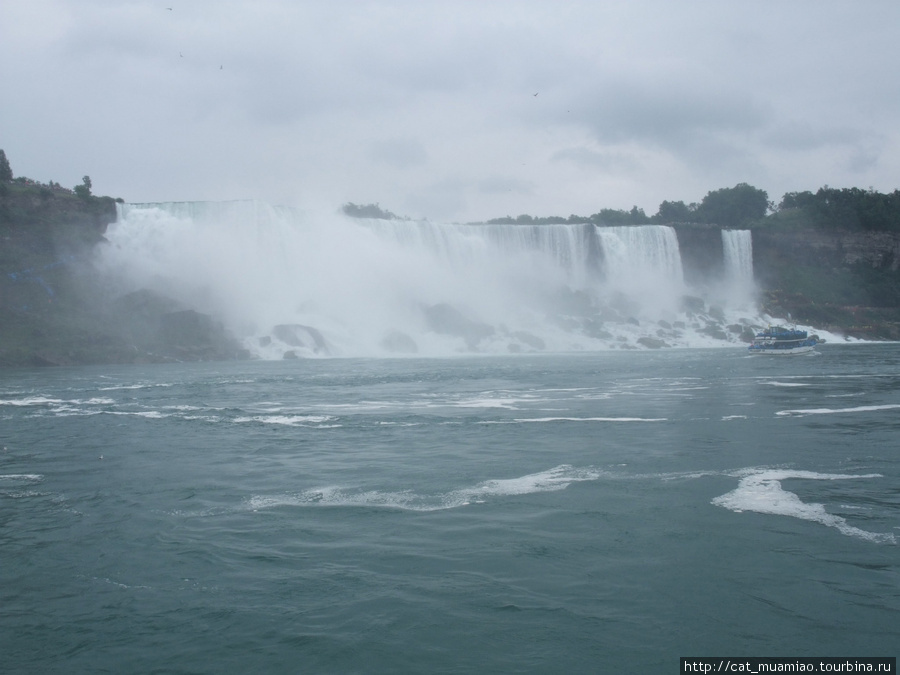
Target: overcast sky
[452, 110]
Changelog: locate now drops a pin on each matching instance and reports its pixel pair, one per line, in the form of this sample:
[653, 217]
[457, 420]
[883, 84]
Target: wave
[833, 411]
[525, 420]
[557, 478]
[317, 421]
[22, 477]
[760, 491]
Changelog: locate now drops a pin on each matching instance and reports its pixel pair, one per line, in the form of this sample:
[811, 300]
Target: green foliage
[368, 211]
[6, 173]
[84, 190]
[620, 217]
[537, 220]
[747, 206]
[733, 207]
[847, 208]
[676, 212]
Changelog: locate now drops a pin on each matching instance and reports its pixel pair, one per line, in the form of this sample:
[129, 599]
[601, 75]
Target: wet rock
[651, 342]
[532, 341]
[399, 343]
[447, 320]
[298, 335]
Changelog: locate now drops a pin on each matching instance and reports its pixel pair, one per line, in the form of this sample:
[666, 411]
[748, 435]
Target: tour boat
[782, 341]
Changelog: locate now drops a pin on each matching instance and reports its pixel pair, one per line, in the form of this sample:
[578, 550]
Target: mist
[293, 283]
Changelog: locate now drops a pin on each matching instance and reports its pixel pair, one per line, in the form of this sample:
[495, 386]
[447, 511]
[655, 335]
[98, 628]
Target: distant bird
[180, 54]
[169, 8]
[537, 93]
[220, 67]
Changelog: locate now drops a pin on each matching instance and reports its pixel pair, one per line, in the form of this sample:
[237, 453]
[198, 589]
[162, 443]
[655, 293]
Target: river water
[602, 512]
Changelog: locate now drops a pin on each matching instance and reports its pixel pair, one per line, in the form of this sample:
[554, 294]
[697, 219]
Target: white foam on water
[832, 411]
[22, 477]
[775, 383]
[290, 420]
[61, 407]
[760, 491]
[734, 417]
[508, 403]
[557, 478]
[148, 414]
[136, 386]
[526, 420]
[32, 401]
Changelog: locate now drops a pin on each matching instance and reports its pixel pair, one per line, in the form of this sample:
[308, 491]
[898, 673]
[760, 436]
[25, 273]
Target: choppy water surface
[524, 514]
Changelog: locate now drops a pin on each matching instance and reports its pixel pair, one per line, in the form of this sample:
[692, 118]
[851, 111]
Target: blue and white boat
[782, 341]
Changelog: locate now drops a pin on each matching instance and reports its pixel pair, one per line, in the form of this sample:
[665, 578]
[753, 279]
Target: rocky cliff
[55, 311]
[845, 281]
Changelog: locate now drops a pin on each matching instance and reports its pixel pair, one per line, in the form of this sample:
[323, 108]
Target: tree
[620, 217]
[84, 190]
[733, 207]
[675, 212]
[366, 211]
[6, 173]
[847, 208]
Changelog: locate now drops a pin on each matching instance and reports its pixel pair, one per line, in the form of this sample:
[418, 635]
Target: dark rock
[297, 335]
[651, 342]
[691, 303]
[448, 320]
[532, 341]
[399, 343]
[714, 331]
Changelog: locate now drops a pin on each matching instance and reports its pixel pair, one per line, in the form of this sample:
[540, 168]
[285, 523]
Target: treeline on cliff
[744, 205]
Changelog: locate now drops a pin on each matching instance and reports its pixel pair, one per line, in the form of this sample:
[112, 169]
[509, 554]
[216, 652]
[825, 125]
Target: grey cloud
[504, 184]
[670, 117]
[602, 160]
[402, 153]
[637, 101]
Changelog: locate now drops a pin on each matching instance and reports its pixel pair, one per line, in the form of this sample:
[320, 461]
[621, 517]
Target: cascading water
[737, 250]
[643, 263]
[286, 281]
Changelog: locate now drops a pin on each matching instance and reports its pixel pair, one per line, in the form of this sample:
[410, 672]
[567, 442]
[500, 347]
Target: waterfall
[639, 254]
[571, 248]
[737, 249]
[287, 280]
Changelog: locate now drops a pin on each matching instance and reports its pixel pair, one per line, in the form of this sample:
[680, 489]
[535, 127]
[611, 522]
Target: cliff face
[55, 311]
[845, 281]
[876, 250]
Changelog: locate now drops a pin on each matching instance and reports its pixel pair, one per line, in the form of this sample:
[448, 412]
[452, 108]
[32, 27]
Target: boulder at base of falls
[528, 339]
[448, 320]
[398, 342]
[651, 342]
[190, 335]
[297, 335]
